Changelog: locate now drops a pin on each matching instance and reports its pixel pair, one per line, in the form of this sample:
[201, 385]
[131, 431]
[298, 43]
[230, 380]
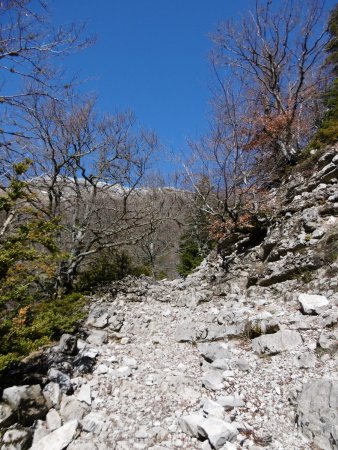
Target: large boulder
[17, 438]
[271, 344]
[60, 438]
[312, 304]
[27, 401]
[317, 413]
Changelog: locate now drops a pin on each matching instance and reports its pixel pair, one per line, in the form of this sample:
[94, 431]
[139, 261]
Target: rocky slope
[239, 358]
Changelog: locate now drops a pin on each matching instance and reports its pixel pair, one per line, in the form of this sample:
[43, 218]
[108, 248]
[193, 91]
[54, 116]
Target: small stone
[130, 362]
[62, 379]
[305, 360]
[212, 380]
[243, 364]
[98, 337]
[84, 394]
[230, 402]
[214, 409]
[53, 420]
[123, 372]
[71, 408]
[185, 332]
[68, 344]
[221, 364]
[215, 430]
[7, 416]
[101, 369]
[98, 318]
[93, 423]
[214, 351]
[228, 374]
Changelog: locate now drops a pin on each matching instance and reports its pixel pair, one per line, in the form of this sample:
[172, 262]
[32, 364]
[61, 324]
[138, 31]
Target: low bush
[38, 324]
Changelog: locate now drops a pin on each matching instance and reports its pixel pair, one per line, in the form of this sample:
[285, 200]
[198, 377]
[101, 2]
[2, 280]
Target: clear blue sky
[151, 57]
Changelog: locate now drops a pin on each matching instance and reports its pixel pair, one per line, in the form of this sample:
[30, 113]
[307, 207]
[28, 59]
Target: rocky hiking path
[242, 357]
[182, 364]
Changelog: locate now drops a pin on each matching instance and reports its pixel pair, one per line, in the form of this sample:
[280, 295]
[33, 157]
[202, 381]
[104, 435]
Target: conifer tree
[328, 131]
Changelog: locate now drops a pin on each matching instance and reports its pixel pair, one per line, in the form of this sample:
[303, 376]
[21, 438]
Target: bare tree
[224, 174]
[87, 170]
[29, 45]
[168, 212]
[276, 52]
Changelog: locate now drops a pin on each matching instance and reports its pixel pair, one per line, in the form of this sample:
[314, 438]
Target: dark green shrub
[37, 325]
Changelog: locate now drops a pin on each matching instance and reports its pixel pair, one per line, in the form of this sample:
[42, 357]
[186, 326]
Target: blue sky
[151, 57]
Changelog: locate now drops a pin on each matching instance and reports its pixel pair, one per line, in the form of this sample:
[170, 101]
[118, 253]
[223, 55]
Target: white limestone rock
[71, 408]
[93, 423]
[312, 304]
[213, 380]
[16, 438]
[27, 401]
[52, 394]
[53, 420]
[215, 430]
[230, 402]
[186, 332]
[60, 438]
[270, 344]
[84, 394]
[317, 412]
[212, 409]
[215, 350]
[7, 416]
[98, 337]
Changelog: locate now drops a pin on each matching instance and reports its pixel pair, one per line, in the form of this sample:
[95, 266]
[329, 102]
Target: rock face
[237, 358]
[318, 412]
